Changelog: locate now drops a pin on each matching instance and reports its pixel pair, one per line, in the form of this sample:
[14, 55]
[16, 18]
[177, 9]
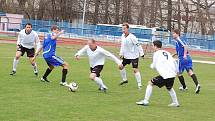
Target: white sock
[15, 62]
[138, 78]
[148, 92]
[100, 82]
[35, 67]
[173, 96]
[123, 74]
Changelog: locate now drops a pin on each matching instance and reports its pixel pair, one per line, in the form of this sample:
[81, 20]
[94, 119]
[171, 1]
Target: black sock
[64, 72]
[195, 79]
[181, 79]
[48, 71]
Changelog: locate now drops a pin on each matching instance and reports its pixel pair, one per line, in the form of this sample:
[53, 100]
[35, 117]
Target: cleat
[63, 84]
[44, 79]
[197, 89]
[182, 89]
[143, 102]
[13, 73]
[174, 105]
[123, 82]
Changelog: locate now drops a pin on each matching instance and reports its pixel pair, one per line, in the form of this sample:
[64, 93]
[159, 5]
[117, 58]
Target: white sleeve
[18, 40]
[37, 41]
[82, 51]
[135, 42]
[154, 62]
[121, 48]
[110, 56]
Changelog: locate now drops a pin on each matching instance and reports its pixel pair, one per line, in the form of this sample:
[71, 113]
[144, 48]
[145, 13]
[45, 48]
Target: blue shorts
[185, 64]
[54, 61]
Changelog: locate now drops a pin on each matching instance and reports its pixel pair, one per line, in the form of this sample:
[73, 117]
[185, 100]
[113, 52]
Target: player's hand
[142, 56]
[77, 57]
[17, 46]
[185, 57]
[120, 66]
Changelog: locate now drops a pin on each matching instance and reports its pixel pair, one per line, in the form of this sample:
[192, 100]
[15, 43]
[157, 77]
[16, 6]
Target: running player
[49, 48]
[130, 52]
[185, 61]
[166, 66]
[96, 56]
[26, 41]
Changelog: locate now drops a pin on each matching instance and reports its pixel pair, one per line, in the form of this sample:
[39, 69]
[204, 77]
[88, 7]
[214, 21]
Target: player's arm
[140, 49]
[121, 49]
[57, 35]
[185, 51]
[111, 56]
[37, 42]
[154, 61]
[18, 41]
[81, 52]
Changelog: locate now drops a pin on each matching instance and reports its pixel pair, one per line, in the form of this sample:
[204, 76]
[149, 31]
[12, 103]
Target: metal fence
[112, 33]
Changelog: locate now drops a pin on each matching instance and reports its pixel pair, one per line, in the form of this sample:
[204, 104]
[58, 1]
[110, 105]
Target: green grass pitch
[24, 97]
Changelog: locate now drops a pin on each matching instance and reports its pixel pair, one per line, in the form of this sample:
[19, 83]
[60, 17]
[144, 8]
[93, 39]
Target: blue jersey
[180, 43]
[49, 46]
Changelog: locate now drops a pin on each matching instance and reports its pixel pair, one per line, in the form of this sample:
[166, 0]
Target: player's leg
[195, 80]
[30, 54]
[20, 52]
[158, 81]
[189, 66]
[95, 76]
[47, 72]
[64, 73]
[180, 76]
[169, 85]
[137, 72]
[123, 71]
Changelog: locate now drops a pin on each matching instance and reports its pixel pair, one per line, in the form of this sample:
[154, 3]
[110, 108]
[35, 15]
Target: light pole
[83, 17]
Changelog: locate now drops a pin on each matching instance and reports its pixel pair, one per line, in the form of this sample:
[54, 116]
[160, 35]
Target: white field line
[73, 57]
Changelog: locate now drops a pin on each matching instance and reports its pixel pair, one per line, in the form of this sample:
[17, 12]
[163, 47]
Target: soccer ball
[73, 86]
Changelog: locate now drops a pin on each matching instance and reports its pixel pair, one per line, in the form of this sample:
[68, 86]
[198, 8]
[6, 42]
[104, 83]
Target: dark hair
[157, 43]
[125, 24]
[54, 27]
[177, 31]
[28, 24]
[93, 41]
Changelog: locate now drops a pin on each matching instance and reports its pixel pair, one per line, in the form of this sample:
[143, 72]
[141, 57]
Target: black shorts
[160, 82]
[97, 70]
[30, 52]
[134, 62]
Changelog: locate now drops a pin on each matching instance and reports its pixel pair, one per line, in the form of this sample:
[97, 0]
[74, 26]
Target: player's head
[176, 33]
[125, 27]
[157, 44]
[92, 44]
[55, 29]
[28, 27]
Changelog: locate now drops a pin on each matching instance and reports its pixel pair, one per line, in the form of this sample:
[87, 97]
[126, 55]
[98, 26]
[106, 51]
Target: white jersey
[28, 40]
[97, 57]
[165, 64]
[130, 47]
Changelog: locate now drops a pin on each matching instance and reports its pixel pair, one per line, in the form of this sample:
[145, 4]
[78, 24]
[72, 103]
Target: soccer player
[26, 41]
[130, 52]
[185, 62]
[166, 66]
[96, 56]
[49, 48]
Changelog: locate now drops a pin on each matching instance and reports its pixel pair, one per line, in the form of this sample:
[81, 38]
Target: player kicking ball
[49, 48]
[130, 52]
[185, 62]
[97, 57]
[26, 41]
[166, 66]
